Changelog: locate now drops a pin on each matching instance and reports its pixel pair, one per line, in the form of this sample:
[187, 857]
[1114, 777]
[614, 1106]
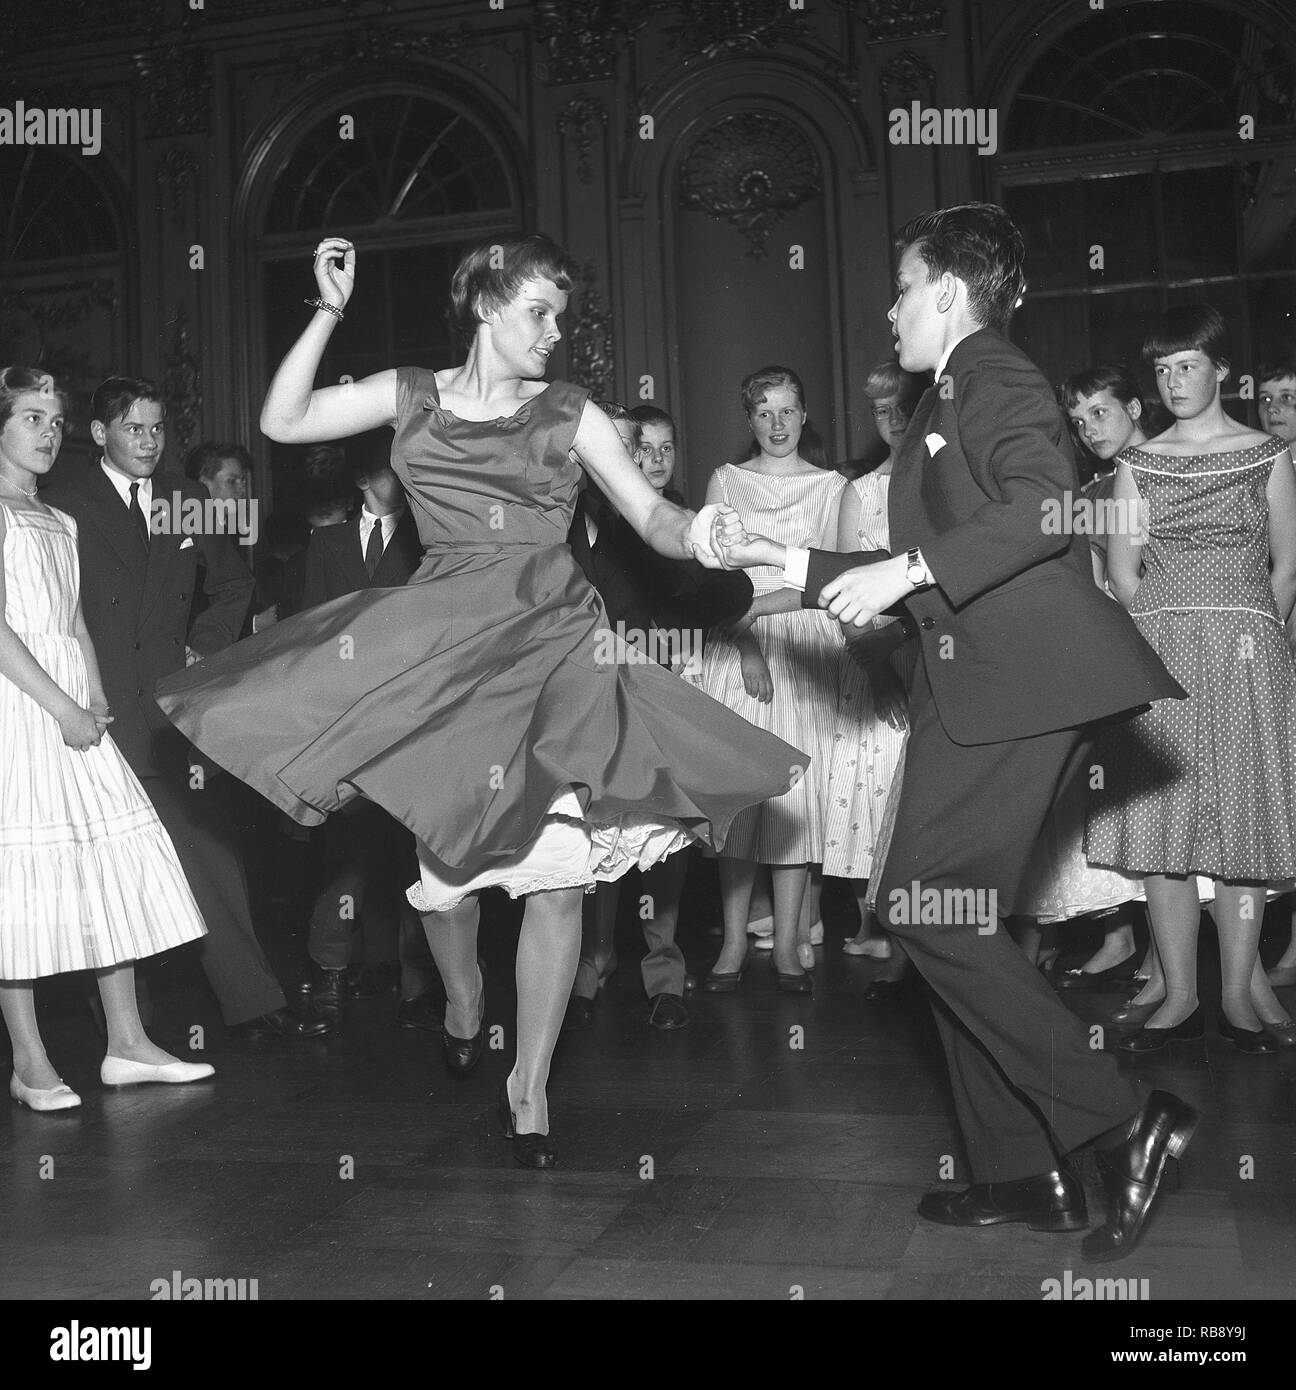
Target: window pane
[1200, 222]
[1050, 222]
[1051, 332]
[1120, 216]
[1118, 324]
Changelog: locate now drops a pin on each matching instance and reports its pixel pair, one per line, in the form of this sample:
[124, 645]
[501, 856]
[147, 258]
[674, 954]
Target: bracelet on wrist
[326, 306]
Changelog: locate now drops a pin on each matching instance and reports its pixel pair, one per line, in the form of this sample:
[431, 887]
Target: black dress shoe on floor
[282, 1024]
[328, 992]
[1256, 1042]
[1153, 1039]
[578, 1013]
[667, 1011]
[1049, 1202]
[424, 1012]
[1131, 1173]
[532, 1150]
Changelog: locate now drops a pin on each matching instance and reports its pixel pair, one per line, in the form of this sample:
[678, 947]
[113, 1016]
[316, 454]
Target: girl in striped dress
[779, 492]
[88, 878]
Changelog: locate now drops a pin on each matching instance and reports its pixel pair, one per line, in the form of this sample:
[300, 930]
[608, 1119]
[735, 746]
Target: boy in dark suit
[378, 548]
[140, 567]
[1020, 652]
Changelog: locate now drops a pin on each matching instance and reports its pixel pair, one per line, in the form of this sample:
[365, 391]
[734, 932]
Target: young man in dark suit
[379, 548]
[1020, 652]
[141, 564]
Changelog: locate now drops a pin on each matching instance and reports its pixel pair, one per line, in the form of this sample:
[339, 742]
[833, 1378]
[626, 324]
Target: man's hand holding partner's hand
[862, 593]
[707, 532]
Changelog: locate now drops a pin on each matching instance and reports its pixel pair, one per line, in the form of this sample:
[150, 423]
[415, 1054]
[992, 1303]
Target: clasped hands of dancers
[558, 813]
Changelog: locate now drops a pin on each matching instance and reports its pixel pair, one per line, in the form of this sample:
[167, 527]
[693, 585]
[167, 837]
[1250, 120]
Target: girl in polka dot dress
[1205, 785]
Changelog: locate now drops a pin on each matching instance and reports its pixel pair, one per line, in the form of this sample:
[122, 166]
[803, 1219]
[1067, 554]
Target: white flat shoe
[761, 926]
[117, 1071]
[816, 934]
[60, 1097]
[877, 947]
[764, 943]
[805, 955]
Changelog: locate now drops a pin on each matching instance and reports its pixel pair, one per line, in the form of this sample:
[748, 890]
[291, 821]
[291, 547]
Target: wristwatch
[915, 570]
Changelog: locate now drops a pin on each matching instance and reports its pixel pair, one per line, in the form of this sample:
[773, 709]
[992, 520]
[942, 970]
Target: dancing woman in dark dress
[477, 703]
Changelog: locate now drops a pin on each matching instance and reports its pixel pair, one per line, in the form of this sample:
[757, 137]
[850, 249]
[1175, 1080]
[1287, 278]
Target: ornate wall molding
[177, 90]
[751, 169]
[909, 75]
[885, 21]
[182, 384]
[176, 178]
[591, 357]
[381, 45]
[583, 38]
[580, 116]
[733, 26]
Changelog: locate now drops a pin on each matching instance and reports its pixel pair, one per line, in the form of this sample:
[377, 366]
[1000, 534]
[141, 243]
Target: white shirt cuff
[796, 563]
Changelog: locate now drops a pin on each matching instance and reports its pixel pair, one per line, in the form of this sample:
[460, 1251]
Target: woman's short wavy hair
[491, 275]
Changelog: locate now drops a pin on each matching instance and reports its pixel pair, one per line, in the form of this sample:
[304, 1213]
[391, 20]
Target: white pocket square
[934, 444]
[186, 543]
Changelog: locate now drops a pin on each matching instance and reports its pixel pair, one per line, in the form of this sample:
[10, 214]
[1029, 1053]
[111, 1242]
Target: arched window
[1148, 158]
[413, 181]
[60, 276]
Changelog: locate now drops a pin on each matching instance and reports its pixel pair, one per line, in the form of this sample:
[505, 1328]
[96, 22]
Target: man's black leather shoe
[424, 1011]
[577, 1014]
[1132, 1171]
[282, 1024]
[328, 993]
[668, 1012]
[1049, 1202]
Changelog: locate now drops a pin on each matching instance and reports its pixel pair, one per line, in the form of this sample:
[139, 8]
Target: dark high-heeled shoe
[1284, 1034]
[1097, 979]
[533, 1150]
[463, 1054]
[1153, 1039]
[1253, 1040]
[1136, 1013]
[793, 984]
[725, 981]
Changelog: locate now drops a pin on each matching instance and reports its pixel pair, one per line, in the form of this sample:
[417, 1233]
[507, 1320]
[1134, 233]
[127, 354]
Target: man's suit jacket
[335, 563]
[640, 588]
[1017, 639]
[137, 604]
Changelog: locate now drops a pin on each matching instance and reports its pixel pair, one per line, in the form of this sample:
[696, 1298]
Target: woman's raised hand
[335, 270]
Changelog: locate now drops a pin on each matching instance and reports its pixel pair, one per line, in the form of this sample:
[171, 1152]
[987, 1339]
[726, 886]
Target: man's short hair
[980, 244]
[114, 397]
[614, 410]
[203, 461]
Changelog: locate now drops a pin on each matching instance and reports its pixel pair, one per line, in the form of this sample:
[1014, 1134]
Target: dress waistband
[486, 547]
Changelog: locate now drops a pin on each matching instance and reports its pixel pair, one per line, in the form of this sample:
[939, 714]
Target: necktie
[374, 548]
[137, 514]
